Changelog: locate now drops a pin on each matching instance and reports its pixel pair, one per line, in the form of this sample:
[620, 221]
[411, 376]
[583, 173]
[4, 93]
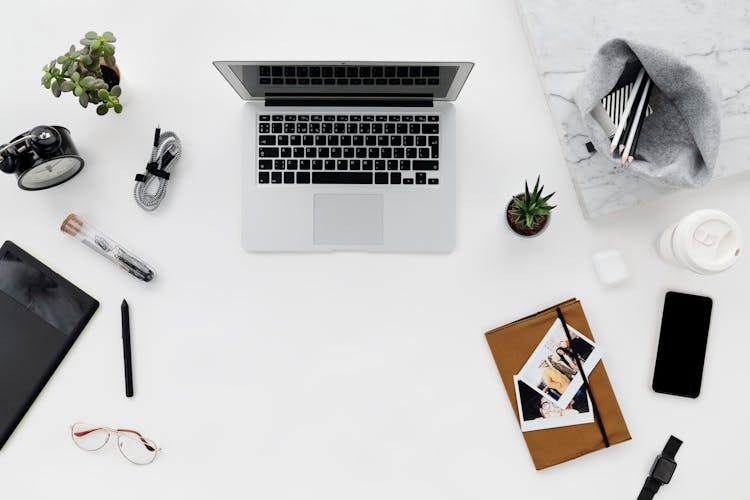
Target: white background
[339, 376]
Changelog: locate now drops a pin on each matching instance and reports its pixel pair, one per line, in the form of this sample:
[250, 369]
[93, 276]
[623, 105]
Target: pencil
[633, 149]
[125, 310]
[640, 114]
[626, 113]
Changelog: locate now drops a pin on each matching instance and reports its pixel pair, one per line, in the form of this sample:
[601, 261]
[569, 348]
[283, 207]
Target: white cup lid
[709, 240]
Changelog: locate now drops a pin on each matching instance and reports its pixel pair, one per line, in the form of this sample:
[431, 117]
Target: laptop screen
[367, 80]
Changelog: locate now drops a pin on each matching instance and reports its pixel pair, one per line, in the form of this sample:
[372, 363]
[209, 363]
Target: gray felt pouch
[679, 141]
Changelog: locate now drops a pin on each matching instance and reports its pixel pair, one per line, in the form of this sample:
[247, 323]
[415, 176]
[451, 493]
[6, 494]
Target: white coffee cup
[705, 241]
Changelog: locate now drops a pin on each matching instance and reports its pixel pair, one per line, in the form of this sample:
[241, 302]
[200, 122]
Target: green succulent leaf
[102, 109]
[116, 91]
[531, 207]
[78, 91]
[108, 36]
[95, 45]
[109, 60]
[75, 76]
[118, 107]
[88, 82]
[103, 94]
[62, 59]
[55, 88]
[86, 59]
[91, 35]
[108, 49]
[85, 42]
[67, 86]
[83, 99]
[72, 67]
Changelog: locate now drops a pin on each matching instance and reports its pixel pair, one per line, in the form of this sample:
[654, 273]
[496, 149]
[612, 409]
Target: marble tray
[713, 36]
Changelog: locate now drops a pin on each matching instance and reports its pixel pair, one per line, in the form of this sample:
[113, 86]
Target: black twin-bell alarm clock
[41, 158]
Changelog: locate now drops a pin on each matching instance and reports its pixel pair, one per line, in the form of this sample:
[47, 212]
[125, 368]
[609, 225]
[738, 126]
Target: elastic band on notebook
[586, 385]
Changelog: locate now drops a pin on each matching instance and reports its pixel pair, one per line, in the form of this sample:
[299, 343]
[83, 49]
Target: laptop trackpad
[348, 219]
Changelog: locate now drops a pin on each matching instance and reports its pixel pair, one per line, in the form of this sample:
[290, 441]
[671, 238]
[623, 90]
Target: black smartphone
[682, 344]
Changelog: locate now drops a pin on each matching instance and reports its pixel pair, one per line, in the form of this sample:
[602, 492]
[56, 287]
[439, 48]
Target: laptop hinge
[301, 101]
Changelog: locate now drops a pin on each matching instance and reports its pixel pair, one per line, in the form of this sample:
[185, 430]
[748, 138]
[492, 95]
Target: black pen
[126, 348]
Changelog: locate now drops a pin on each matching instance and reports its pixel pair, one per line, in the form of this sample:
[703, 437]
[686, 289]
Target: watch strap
[671, 448]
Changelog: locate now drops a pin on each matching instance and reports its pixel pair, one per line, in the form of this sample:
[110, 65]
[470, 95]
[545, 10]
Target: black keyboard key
[265, 71]
[394, 81]
[368, 118]
[381, 178]
[330, 165]
[346, 140]
[323, 152]
[290, 81]
[289, 71]
[366, 164]
[283, 140]
[333, 140]
[285, 152]
[289, 128]
[326, 128]
[314, 128]
[424, 152]
[303, 177]
[398, 152]
[394, 118]
[420, 118]
[395, 140]
[355, 118]
[304, 164]
[267, 140]
[288, 177]
[411, 152]
[276, 128]
[379, 164]
[342, 178]
[268, 152]
[302, 71]
[402, 71]
[377, 128]
[407, 118]
[421, 178]
[414, 128]
[408, 181]
[277, 81]
[377, 71]
[277, 118]
[290, 118]
[264, 118]
[433, 181]
[308, 140]
[433, 118]
[390, 128]
[370, 140]
[424, 165]
[421, 140]
[276, 177]
[381, 118]
[358, 140]
[354, 165]
[404, 165]
[360, 153]
[342, 118]
[320, 140]
[277, 71]
[339, 128]
[385, 152]
[364, 128]
[348, 152]
[392, 164]
[327, 72]
[433, 81]
[395, 178]
[339, 72]
[264, 128]
[315, 72]
[317, 164]
[335, 152]
[373, 152]
[279, 164]
[420, 81]
[295, 140]
[302, 128]
[409, 140]
[329, 81]
[264, 177]
[351, 128]
[316, 118]
[430, 128]
[329, 118]
[401, 128]
[291, 164]
[303, 118]
[265, 164]
[342, 164]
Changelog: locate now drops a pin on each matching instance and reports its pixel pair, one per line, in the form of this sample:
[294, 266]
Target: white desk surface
[339, 376]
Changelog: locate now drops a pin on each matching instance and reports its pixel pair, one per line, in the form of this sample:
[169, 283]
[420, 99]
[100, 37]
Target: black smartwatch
[662, 470]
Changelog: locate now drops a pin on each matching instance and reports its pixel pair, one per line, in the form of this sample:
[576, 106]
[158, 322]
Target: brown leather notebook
[511, 346]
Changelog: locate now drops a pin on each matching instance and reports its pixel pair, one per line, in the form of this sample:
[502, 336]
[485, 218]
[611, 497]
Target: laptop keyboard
[364, 149]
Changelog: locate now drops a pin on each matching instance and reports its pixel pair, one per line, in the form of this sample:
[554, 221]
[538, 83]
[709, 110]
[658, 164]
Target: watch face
[663, 470]
[50, 173]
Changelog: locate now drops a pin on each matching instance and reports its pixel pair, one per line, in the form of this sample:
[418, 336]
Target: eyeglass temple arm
[140, 436]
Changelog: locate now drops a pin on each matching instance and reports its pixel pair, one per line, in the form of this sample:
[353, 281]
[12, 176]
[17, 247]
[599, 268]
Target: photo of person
[538, 412]
[553, 368]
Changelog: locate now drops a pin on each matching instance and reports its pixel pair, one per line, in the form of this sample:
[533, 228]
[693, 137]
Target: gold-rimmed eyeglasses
[132, 444]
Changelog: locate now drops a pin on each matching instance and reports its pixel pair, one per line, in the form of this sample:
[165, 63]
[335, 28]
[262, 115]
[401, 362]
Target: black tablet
[41, 315]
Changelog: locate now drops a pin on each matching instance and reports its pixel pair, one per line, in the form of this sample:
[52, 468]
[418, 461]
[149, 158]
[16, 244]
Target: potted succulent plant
[528, 213]
[90, 73]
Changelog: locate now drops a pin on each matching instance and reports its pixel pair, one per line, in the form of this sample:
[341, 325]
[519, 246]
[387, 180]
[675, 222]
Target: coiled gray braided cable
[144, 195]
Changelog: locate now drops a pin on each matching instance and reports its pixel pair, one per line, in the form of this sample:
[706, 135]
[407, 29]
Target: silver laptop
[348, 155]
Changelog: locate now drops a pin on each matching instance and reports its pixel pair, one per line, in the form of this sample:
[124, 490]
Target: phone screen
[682, 344]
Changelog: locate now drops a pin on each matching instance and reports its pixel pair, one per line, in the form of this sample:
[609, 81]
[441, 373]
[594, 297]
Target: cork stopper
[71, 225]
